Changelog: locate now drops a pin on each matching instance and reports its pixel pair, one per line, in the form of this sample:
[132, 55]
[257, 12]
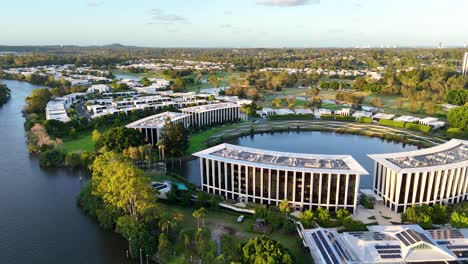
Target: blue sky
[235, 23]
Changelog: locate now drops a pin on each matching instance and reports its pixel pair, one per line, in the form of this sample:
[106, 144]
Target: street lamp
[141, 257]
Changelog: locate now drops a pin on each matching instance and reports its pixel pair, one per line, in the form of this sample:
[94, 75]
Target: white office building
[260, 176]
[152, 126]
[387, 244]
[436, 175]
[204, 115]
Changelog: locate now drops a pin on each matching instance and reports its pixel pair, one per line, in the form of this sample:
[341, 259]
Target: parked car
[240, 218]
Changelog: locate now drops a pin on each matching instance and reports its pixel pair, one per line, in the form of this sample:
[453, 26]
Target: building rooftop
[209, 107]
[157, 121]
[448, 155]
[284, 160]
[387, 244]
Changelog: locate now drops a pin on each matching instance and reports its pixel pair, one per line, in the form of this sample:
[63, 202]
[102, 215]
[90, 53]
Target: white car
[240, 218]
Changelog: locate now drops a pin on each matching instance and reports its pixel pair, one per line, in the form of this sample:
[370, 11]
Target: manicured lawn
[81, 143]
[197, 141]
[331, 106]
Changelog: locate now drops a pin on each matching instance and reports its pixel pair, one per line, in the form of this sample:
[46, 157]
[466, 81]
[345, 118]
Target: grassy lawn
[332, 106]
[197, 141]
[82, 142]
[225, 222]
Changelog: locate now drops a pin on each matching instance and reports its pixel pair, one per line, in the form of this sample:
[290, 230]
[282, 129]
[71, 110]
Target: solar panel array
[387, 247]
[410, 237]
[395, 256]
[444, 242]
[446, 234]
[371, 236]
[344, 256]
[457, 246]
[324, 248]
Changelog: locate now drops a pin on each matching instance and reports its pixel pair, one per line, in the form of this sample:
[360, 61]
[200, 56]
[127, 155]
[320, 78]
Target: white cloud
[158, 16]
[287, 2]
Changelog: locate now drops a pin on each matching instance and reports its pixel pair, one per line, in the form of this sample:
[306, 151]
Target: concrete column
[436, 190]
[356, 189]
[253, 182]
[337, 191]
[416, 186]
[208, 175]
[225, 179]
[423, 187]
[247, 180]
[408, 182]
[261, 185]
[311, 189]
[464, 184]
[303, 184]
[285, 185]
[219, 179]
[213, 175]
[443, 183]
[450, 183]
[232, 181]
[269, 186]
[398, 188]
[429, 190]
[374, 186]
[328, 190]
[294, 188]
[346, 190]
[201, 174]
[320, 190]
[277, 187]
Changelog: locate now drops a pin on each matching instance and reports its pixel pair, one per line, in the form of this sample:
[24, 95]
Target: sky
[235, 23]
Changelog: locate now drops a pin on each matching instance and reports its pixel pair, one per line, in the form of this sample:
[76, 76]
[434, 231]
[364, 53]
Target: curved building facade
[268, 177]
[436, 175]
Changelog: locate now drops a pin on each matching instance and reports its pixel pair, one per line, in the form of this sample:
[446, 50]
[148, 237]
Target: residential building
[98, 88]
[436, 175]
[307, 181]
[465, 65]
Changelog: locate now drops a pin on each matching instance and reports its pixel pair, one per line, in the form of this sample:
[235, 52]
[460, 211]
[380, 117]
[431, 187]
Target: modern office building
[260, 176]
[152, 126]
[465, 64]
[436, 175]
[212, 113]
[387, 244]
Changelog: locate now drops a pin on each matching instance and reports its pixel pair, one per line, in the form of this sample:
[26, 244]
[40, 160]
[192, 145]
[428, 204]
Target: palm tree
[200, 213]
[186, 236]
[161, 148]
[164, 224]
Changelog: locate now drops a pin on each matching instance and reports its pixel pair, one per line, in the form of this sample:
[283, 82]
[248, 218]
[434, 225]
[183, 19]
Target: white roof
[284, 111]
[408, 119]
[453, 154]
[157, 121]
[209, 107]
[383, 116]
[385, 244]
[303, 111]
[283, 160]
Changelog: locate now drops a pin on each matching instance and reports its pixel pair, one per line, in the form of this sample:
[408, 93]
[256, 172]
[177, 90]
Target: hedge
[345, 118]
[327, 116]
[364, 119]
[292, 116]
[418, 127]
[392, 123]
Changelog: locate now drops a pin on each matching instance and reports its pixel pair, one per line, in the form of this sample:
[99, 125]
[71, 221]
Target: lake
[311, 142]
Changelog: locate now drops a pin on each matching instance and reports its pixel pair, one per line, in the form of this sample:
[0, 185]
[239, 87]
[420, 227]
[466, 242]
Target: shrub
[327, 117]
[391, 123]
[418, 127]
[364, 119]
[345, 118]
[51, 158]
[454, 132]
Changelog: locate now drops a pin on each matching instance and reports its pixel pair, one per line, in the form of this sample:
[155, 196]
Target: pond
[311, 142]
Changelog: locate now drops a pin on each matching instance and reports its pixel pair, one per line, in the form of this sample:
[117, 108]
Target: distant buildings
[98, 88]
[56, 108]
[465, 65]
[205, 115]
[387, 244]
[436, 175]
[307, 181]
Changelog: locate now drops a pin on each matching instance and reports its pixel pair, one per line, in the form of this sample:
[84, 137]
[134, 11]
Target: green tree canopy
[121, 138]
[262, 250]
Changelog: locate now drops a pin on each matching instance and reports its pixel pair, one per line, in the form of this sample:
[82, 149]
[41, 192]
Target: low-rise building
[382, 116]
[432, 122]
[407, 119]
[387, 244]
[212, 113]
[98, 88]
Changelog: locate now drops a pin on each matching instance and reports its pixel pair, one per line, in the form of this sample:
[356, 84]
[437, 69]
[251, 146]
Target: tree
[200, 214]
[307, 217]
[213, 79]
[121, 138]
[459, 220]
[313, 92]
[5, 94]
[341, 214]
[277, 102]
[51, 158]
[323, 215]
[175, 139]
[120, 184]
[377, 102]
[164, 248]
[400, 102]
[178, 85]
[457, 97]
[165, 223]
[290, 101]
[285, 207]
[458, 117]
[264, 250]
[37, 101]
[73, 159]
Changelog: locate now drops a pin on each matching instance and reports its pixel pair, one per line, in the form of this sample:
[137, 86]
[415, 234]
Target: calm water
[314, 143]
[39, 219]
